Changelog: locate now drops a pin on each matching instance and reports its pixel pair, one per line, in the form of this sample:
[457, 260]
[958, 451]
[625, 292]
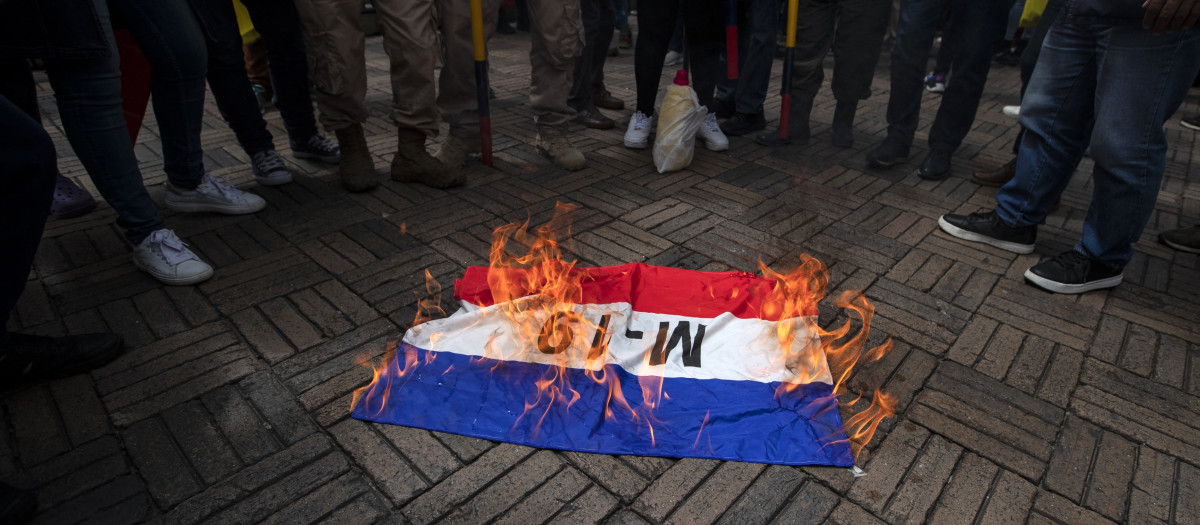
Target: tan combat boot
[413, 163]
[355, 166]
[454, 150]
[553, 143]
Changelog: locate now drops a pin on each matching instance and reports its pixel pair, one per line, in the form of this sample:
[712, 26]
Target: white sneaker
[168, 259]
[673, 58]
[1011, 111]
[638, 134]
[268, 168]
[213, 195]
[710, 132]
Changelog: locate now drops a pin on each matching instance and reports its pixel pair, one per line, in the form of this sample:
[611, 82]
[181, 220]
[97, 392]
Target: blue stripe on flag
[711, 418]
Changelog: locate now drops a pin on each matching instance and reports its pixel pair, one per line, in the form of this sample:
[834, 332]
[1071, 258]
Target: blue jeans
[279, 25]
[88, 92]
[1125, 81]
[621, 14]
[979, 23]
[756, 52]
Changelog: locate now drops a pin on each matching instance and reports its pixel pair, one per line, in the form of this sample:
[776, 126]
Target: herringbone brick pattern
[231, 403]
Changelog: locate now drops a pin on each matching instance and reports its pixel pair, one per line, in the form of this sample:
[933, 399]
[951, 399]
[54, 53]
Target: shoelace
[171, 247]
[640, 121]
[1070, 259]
[321, 142]
[225, 190]
[268, 161]
[710, 124]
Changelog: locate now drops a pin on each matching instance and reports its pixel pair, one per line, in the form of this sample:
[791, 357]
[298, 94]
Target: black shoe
[936, 165]
[592, 118]
[740, 124]
[605, 100]
[38, 357]
[505, 29]
[989, 229]
[1192, 122]
[722, 108]
[16, 505]
[843, 123]
[1073, 272]
[773, 140]
[887, 154]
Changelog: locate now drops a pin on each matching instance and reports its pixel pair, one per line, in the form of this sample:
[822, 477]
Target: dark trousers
[758, 22]
[854, 30]
[589, 66]
[279, 24]
[978, 24]
[27, 167]
[704, 27]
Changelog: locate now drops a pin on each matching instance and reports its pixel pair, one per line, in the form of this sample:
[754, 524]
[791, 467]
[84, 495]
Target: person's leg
[27, 165]
[914, 39]
[227, 75]
[88, 93]
[856, 48]
[977, 24]
[602, 45]
[650, 49]
[705, 38]
[557, 40]
[1141, 81]
[279, 24]
[592, 56]
[169, 35]
[1057, 113]
[337, 53]
[409, 39]
[759, 55]
[1029, 57]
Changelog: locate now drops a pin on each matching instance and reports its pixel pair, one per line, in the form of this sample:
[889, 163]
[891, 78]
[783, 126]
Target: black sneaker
[1073, 272]
[722, 108]
[989, 229]
[887, 154]
[27, 357]
[740, 124]
[1192, 122]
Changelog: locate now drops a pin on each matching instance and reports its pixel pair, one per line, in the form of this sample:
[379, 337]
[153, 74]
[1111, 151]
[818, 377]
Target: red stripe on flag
[651, 289]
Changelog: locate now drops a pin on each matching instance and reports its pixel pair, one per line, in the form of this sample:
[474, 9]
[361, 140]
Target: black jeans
[27, 167]
[598, 23]
[704, 26]
[279, 24]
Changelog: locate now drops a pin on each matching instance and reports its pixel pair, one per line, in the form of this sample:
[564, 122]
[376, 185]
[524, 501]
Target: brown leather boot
[455, 149]
[996, 177]
[355, 166]
[413, 163]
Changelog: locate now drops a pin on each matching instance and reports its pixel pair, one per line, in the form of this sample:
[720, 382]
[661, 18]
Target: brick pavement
[231, 403]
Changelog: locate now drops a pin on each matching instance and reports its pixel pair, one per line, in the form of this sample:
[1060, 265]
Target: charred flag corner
[649, 361]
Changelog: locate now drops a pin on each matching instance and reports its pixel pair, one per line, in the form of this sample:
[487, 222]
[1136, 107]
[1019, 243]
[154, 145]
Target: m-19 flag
[640, 359]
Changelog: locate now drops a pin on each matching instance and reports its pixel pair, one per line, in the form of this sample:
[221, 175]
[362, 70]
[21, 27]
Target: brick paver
[231, 403]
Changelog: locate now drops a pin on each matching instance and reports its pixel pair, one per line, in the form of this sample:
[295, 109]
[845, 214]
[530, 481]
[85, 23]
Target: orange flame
[537, 291]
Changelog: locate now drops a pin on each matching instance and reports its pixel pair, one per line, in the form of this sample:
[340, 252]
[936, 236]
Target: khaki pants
[409, 28]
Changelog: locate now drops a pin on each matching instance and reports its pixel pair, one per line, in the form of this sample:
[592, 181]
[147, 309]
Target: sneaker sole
[1180, 247]
[968, 235]
[1057, 287]
[188, 207]
[328, 159]
[1189, 125]
[175, 281]
[710, 147]
[637, 145]
[273, 181]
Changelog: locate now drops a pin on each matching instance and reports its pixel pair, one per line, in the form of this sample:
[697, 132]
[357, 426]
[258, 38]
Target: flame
[539, 293]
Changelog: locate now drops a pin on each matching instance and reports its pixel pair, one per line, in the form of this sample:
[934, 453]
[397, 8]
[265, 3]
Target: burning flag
[631, 359]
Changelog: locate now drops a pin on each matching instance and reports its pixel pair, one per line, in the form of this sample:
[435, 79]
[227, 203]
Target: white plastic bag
[679, 119]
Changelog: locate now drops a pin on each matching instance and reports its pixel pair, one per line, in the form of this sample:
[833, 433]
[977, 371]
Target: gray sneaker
[168, 259]
[317, 147]
[268, 168]
[213, 195]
